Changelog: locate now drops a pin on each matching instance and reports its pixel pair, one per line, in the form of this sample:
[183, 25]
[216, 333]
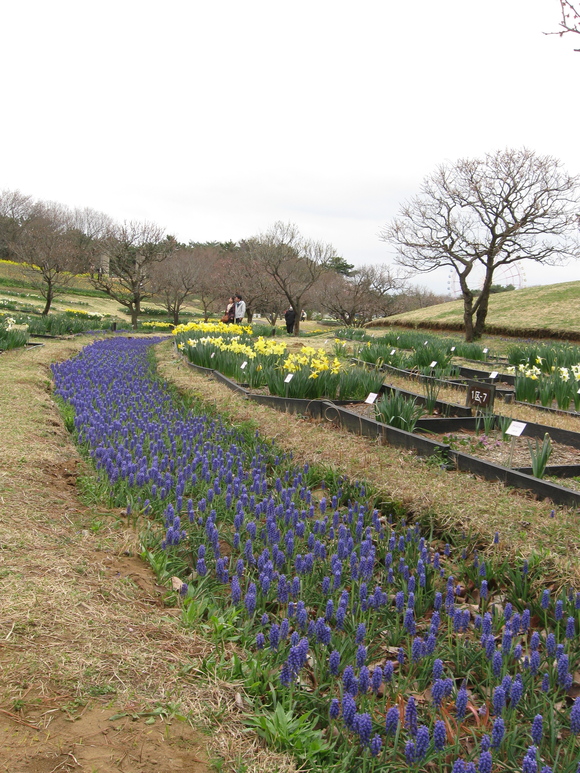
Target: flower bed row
[310, 373]
[367, 647]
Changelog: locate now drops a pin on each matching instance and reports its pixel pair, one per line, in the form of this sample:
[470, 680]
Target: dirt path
[90, 658]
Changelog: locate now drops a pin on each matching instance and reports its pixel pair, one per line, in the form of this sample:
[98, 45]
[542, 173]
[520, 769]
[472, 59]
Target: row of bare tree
[136, 261]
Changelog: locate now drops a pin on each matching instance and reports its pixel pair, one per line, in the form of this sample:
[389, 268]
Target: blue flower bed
[368, 647]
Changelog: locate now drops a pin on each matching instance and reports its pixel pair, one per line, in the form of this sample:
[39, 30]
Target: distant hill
[550, 311]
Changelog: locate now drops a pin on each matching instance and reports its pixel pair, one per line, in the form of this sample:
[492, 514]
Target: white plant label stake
[515, 429]
[289, 378]
[493, 375]
[243, 365]
[371, 398]
[433, 364]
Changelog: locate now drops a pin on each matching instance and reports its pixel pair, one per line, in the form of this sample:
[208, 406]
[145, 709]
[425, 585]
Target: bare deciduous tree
[294, 264]
[133, 250]
[365, 293]
[569, 20]
[509, 206]
[46, 248]
[177, 279]
[16, 210]
[214, 285]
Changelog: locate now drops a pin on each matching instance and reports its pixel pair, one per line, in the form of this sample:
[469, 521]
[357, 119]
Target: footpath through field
[95, 669]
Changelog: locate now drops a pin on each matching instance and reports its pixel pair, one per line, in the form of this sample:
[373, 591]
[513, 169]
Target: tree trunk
[467, 310]
[134, 309]
[49, 298]
[176, 317]
[482, 306]
[250, 315]
[47, 305]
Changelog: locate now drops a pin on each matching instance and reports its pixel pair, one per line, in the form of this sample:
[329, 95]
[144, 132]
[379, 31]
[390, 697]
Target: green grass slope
[546, 310]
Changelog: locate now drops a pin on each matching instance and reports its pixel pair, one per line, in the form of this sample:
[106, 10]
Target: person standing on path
[290, 318]
[240, 312]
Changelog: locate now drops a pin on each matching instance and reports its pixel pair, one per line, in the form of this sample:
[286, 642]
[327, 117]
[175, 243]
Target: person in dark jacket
[290, 318]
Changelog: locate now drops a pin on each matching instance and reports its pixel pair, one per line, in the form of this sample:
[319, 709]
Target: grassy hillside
[547, 310]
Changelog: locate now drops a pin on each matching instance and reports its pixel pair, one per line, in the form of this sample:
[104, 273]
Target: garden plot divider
[465, 373]
[337, 414]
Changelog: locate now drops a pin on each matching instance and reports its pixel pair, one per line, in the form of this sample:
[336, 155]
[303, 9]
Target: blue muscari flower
[363, 680]
[274, 636]
[485, 762]
[360, 633]
[284, 628]
[392, 720]
[506, 642]
[437, 668]
[483, 589]
[497, 733]
[438, 692]
[409, 622]
[334, 710]
[388, 671]
[548, 769]
[537, 730]
[361, 655]
[562, 669]
[535, 662]
[437, 601]
[286, 675]
[459, 766]
[461, 703]
[486, 627]
[559, 610]
[260, 641]
[529, 763]
[376, 745]
[399, 601]
[535, 641]
[439, 735]
[498, 700]
[422, 742]
[348, 710]
[410, 753]
[376, 679]
[575, 717]
[525, 620]
[364, 727]
[551, 644]
[545, 601]
[516, 691]
[570, 628]
[411, 715]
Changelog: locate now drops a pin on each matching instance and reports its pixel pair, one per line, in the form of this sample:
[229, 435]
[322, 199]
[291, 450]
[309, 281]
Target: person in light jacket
[240, 312]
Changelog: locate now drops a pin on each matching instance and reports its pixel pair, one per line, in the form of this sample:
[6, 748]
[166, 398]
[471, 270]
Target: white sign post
[515, 429]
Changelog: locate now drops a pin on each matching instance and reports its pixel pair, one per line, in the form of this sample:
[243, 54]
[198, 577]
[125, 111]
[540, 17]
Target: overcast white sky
[215, 119]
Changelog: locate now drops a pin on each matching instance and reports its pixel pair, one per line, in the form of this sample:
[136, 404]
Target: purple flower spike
[392, 720]
[376, 745]
[537, 729]
[575, 717]
[485, 762]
